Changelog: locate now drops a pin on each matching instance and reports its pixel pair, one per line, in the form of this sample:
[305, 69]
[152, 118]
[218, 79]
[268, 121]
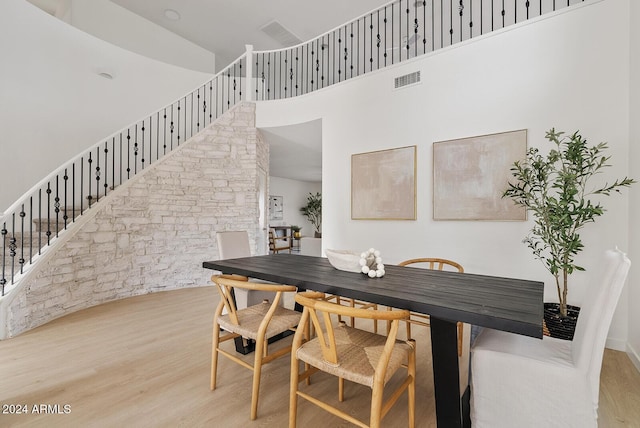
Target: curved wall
[53, 104]
[153, 232]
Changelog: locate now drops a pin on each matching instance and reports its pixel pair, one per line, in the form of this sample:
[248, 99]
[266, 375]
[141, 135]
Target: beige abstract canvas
[383, 185]
[470, 175]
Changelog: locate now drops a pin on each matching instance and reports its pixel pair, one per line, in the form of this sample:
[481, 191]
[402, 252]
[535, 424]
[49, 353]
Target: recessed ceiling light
[107, 74]
[172, 15]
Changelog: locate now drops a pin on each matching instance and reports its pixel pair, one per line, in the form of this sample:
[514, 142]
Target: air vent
[407, 80]
[276, 31]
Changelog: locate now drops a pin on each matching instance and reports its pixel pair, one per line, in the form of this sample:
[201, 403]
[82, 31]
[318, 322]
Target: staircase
[397, 32]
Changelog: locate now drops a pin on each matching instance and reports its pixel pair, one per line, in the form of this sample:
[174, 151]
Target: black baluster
[40, 220]
[378, 40]
[470, 19]
[461, 13]
[21, 259]
[3, 279]
[30, 229]
[416, 26]
[320, 59]
[129, 154]
[48, 233]
[503, 12]
[384, 21]
[352, 52]
[204, 119]
[121, 163]
[65, 215]
[211, 103]
[451, 22]
[106, 170]
[393, 22]
[89, 197]
[56, 205]
[113, 162]
[81, 185]
[408, 13]
[297, 69]
[178, 125]
[526, 5]
[13, 246]
[340, 50]
[135, 148]
[73, 192]
[185, 120]
[142, 160]
[370, 42]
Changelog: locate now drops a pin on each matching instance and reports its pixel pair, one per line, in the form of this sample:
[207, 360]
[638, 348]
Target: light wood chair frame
[422, 319]
[225, 285]
[314, 303]
[273, 243]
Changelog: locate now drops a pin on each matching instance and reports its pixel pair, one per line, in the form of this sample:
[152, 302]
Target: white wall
[115, 24]
[568, 71]
[634, 170]
[53, 104]
[294, 195]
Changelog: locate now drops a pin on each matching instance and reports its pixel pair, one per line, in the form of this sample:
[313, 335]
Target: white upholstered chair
[527, 382]
[233, 245]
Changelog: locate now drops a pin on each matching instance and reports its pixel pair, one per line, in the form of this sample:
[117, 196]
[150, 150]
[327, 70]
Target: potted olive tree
[313, 212]
[556, 189]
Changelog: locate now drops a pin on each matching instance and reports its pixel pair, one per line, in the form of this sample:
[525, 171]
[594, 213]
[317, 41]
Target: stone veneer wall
[152, 233]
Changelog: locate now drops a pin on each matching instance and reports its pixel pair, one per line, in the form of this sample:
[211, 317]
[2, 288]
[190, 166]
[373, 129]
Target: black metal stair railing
[33, 222]
[394, 33]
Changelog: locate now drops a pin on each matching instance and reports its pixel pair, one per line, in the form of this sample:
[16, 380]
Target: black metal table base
[251, 344]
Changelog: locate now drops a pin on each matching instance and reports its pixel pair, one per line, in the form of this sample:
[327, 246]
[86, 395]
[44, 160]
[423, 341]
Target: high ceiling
[224, 27]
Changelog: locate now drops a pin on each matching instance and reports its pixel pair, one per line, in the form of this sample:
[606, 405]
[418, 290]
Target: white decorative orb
[363, 255]
[378, 260]
[380, 266]
[372, 274]
[371, 250]
[379, 273]
[376, 253]
[365, 269]
[363, 262]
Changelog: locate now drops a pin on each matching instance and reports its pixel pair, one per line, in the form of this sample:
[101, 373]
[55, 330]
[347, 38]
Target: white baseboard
[633, 355]
[616, 344]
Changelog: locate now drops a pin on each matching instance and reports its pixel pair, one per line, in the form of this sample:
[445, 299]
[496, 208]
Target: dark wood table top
[508, 304]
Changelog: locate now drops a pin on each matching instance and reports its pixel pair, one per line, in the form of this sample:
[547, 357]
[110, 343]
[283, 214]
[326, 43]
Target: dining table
[508, 304]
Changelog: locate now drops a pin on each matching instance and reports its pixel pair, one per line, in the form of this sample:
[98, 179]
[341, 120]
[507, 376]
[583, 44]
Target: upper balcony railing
[392, 34]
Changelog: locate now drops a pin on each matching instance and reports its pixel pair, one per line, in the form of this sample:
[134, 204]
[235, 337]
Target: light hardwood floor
[144, 362]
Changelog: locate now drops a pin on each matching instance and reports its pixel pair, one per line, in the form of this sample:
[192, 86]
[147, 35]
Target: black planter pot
[558, 326]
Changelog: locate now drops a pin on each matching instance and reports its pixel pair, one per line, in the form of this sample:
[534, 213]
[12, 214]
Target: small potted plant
[556, 189]
[313, 212]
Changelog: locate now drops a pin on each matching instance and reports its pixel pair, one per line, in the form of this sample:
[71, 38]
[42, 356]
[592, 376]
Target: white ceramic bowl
[344, 260]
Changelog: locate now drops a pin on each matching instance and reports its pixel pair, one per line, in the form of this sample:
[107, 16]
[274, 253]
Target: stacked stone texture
[153, 233]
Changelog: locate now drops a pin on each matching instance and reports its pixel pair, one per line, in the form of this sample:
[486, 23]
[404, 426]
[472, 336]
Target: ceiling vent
[407, 80]
[277, 32]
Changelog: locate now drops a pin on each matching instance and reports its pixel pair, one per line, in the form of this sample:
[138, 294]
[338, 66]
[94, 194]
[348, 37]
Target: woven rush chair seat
[348, 353]
[360, 351]
[250, 319]
[258, 322]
